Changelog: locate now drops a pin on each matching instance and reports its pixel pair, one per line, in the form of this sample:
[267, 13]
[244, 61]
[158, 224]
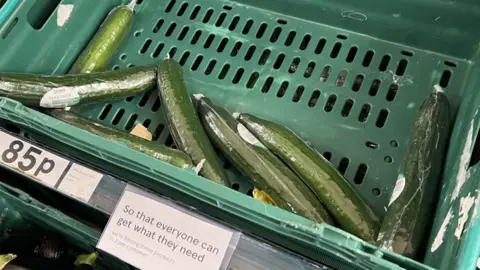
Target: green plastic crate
[21, 212]
[348, 76]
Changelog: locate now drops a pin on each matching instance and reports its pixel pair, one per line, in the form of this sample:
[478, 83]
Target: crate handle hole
[39, 13]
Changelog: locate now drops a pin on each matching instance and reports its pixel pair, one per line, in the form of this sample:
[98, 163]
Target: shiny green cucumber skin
[405, 227]
[183, 122]
[266, 171]
[163, 153]
[106, 41]
[345, 206]
[94, 87]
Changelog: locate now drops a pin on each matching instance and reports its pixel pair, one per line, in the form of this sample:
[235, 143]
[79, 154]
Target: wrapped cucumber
[345, 206]
[183, 122]
[405, 227]
[60, 91]
[108, 38]
[163, 153]
[266, 171]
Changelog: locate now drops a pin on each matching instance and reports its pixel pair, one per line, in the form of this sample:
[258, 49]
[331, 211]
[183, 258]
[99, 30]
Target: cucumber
[406, 225]
[163, 153]
[266, 171]
[108, 38]
[183, 122]
[342, 202]
[59, 91]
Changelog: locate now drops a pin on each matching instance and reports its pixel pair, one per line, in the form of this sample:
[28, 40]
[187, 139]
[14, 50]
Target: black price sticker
[31, 160]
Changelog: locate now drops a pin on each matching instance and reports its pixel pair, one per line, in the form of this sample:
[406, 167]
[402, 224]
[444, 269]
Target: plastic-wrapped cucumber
[183, 122]
[59, 91]
[266, 171]
[406, 225]
[339, 198]
[163, 153]
[109, 37]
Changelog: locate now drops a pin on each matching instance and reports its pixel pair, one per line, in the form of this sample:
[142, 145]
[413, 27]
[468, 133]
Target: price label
[152, 233]
[31, 160]
[80, 182]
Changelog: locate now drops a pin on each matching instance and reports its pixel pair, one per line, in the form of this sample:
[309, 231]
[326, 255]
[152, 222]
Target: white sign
[150, 234]
[80, 182]
[31, 160]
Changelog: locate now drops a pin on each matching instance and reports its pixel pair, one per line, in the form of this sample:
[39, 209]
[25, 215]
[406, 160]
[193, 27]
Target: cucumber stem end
[131, 5]
[438, 88]
[198, 96]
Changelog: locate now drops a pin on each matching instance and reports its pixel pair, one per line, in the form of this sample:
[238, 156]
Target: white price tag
[31, 160]
[80, 182]
[150, 234]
